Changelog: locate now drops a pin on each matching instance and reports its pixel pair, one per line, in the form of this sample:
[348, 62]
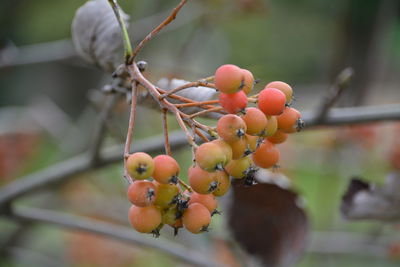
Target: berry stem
[165, 127]
[184, 185]
[130, 130]
[195, 104]
[125, 35]
[191, 116]
[157, 29]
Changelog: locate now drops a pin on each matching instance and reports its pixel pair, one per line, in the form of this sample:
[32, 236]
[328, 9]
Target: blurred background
[50, 98]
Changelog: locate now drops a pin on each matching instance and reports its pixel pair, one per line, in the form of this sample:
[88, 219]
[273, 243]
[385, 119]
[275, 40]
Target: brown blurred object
[15, 149]
[364, 135]
[267, 222]
[224, 254]
[252, 5]
[394, 251]
[92, 250]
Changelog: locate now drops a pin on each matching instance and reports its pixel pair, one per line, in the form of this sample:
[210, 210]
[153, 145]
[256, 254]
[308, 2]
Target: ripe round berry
[271, 101]
[255, 120]
[144, 219]
[166, 194]
[226, 148]
[248, 81]
[231, 128]
[210, 157]
[278, 138]
[238, 168]
[166, 169]
[272, 126]
[253, 142]
[209, 201]
[288, 120]
[196, 218]
[284, 87]
[266, 156]
[142, 193]
[233, 103]
[239, 148]
[228, 78]
[223, 183]
[201, 181]
[140, 165]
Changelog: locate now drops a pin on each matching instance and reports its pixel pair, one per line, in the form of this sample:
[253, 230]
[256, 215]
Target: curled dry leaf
[268, 221]
[97, 36]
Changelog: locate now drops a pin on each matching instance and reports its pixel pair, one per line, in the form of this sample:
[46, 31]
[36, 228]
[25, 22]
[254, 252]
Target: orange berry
[239, 148]
[255, 120]
[248, 81]
[272, 126]
[252, 143]
[278, 138]
[231, 127]
[210, 157]
[228, 78]
[144, 219]
[223, 183]
[142, 193]
[166, 169]
[226, 148]
[266, 156]
[237, 168]
[271, 101]
[284, 87]
[288, 120]
[201, 181]
[140, 165]
[209, 201]
[196, 218]
[233, 103]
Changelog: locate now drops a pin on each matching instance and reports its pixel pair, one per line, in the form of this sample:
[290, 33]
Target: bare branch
[353, 115]
[99, 132]
[154, 32]
[64, 170]
[125, 234]
[340, 84]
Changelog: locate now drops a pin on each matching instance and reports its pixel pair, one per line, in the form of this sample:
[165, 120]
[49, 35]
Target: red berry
[284, 87]
[255, 120]
[166, 169]
[271, 101]
[196, 218]
[142, 193]
[266, 156]
[144, 219]
[278, 138]
[231, 128]
[288, 120]
[233, 103]
[228, 78]
[248, 81]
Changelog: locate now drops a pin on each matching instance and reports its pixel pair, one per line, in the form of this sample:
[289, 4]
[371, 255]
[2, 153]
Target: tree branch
[64, 170]
[125, 234]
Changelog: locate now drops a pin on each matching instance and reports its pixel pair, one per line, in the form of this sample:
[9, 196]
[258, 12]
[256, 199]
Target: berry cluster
[247, 138]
